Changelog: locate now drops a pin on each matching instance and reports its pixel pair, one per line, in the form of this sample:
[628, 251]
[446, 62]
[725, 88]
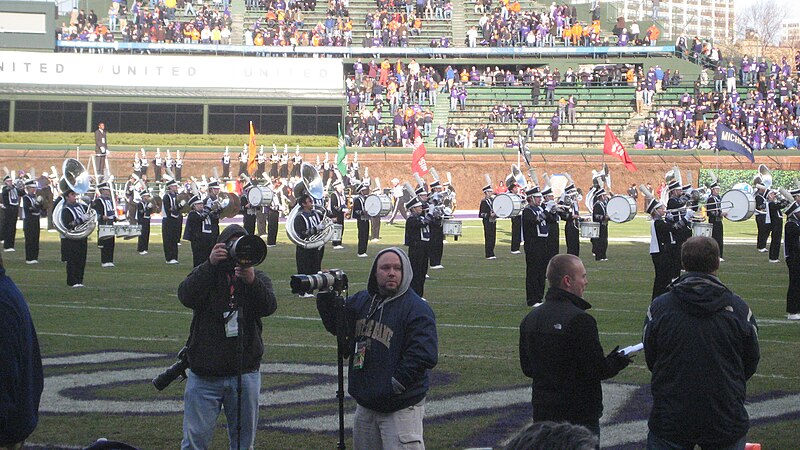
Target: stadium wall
[467, 169]
[28, 25]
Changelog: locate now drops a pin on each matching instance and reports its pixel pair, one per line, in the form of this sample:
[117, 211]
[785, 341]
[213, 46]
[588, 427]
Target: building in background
[790, 33]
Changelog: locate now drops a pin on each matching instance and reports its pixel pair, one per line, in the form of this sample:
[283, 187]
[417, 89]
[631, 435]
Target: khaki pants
[389, 431]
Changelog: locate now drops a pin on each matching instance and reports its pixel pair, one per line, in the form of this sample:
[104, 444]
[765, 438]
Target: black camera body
[331, 280]
[165, 378]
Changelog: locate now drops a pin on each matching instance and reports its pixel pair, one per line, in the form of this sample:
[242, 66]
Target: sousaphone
[76, 179]
[311, 183]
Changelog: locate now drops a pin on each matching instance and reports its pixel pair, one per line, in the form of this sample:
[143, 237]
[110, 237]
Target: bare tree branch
[762, 20]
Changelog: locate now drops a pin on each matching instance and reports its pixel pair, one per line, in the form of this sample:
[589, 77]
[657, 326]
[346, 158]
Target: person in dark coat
[225, 345]
[559, 349]
[20, 367]
[701, 346]
[144, 207]
[10, 207]
[534, 232]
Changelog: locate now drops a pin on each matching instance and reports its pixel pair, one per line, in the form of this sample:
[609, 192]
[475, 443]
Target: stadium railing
[513, 52]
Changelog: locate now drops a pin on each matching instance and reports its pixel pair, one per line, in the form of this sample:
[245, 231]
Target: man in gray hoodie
[392, 346]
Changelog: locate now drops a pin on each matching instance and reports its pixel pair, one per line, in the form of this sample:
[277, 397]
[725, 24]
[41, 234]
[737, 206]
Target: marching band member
[157, 163]
[308, 223]
[244, 156]
[212, 207]
[680, 223]
[792, 255]
[516, 221]
[144, 207]
[297, 161]
[400, 197]
[261, 161]
[338, 209]
[137, 165]
[375, 222]
[534, 232]
[73, 250]
[226, 164]
[553, 242]
[572, 223]
[761, 217]
[10, 207]
[178, 165]
[51, 184]
[715, 214]
[101, 148]
[489, 219]
[171, 222]
[198, 231]
[273, 212]
[362, 218]
[274, 159]
[417, 238]
[434, 208]
[773, 224]
[169, 164]
[31, 214]
[283, 169]
[106, 215]
[660, 246]
[144, 162]
[248, 211]
[599, 214]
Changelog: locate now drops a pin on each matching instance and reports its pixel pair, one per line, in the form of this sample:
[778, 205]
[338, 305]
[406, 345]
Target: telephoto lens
[247, 251]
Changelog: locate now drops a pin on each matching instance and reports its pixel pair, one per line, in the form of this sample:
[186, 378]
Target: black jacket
[207, 292]
[701, 345]
[559, 348]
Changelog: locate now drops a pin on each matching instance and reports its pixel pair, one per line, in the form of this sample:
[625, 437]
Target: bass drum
[378, 205]
[260, 196]
[740, 205]
[507, 205]
[621, 209]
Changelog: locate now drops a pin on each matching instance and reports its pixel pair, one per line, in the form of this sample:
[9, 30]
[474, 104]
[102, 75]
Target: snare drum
[127, 231]
[451, 227]
[338, 231]
[105, 232]
[260, 196]
[739, 205]
[378, 205]
[507, 205]
[590, 229]
[621, 209]
[702, 229]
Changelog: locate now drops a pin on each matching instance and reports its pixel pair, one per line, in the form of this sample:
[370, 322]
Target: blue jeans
[656, 443]
[202, 400]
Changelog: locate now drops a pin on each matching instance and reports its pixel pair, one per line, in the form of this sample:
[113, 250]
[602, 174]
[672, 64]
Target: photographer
[392, 345]
[228, 302]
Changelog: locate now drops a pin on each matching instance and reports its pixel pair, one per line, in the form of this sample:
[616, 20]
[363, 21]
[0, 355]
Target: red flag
[251, 147]
[612, 146]
[418, 164]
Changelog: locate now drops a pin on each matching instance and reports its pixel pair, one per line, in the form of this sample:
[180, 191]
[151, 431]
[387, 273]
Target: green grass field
[104, 343]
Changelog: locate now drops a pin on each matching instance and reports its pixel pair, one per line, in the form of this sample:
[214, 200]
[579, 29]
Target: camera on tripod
[165, 378]
[331, 280]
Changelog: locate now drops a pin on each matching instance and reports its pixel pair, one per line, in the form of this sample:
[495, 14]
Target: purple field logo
[624, 423]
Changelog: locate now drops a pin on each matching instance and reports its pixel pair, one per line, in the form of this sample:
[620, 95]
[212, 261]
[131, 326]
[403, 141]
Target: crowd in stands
[86, 27]
[507, 25]
[767, 116]
[284, 24]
